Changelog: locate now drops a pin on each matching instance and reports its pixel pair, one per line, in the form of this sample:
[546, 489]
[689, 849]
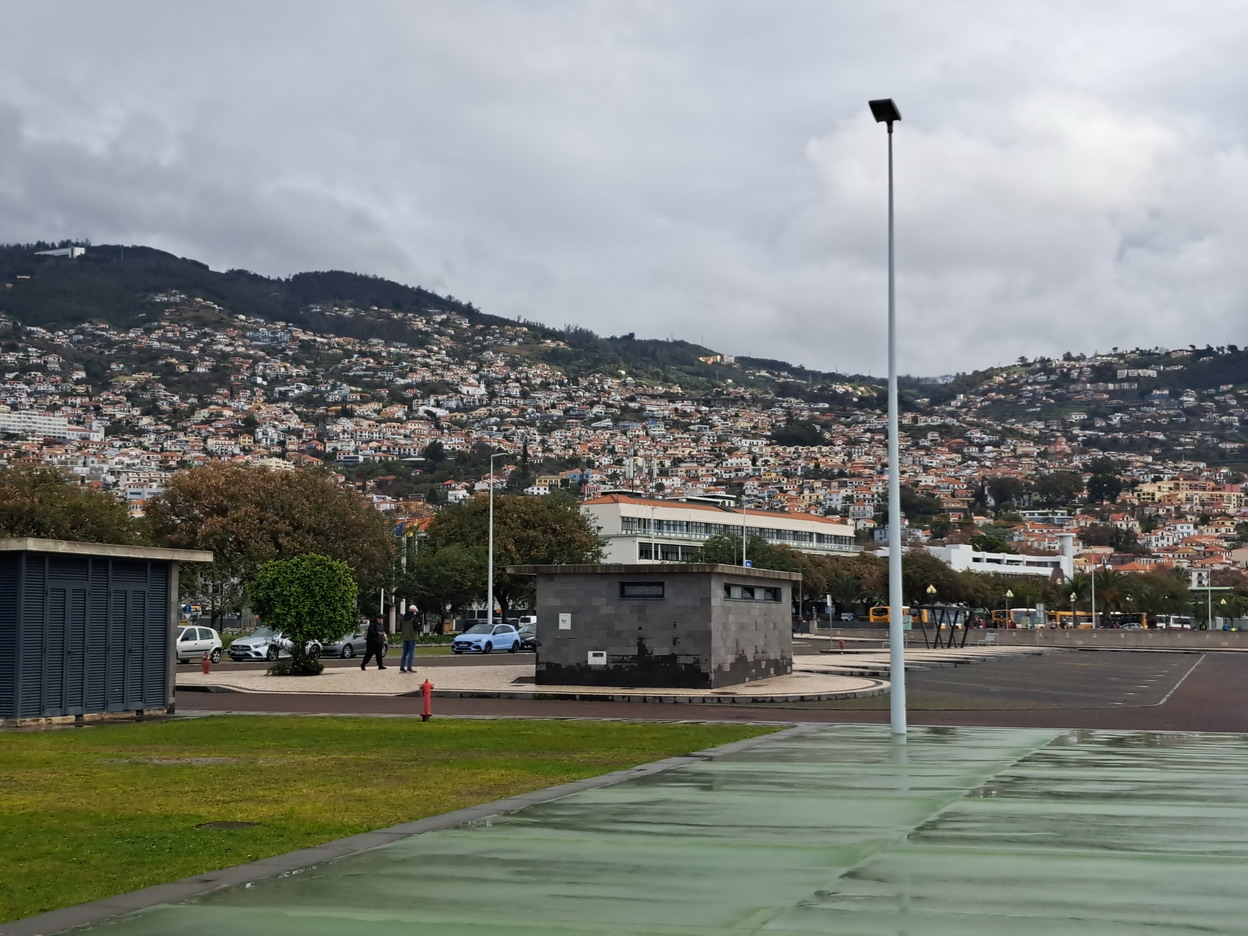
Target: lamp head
[884, 111]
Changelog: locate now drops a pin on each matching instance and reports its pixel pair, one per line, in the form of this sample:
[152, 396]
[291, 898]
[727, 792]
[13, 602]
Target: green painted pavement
[837, 831]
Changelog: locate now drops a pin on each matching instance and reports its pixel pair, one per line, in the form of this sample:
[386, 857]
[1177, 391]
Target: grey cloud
[1070, 176]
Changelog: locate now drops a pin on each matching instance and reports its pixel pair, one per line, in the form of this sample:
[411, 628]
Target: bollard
[426, 693]
[205, 663]
[842, 645]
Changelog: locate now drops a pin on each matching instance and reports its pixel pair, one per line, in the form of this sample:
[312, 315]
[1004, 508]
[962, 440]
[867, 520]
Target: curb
[878, 687]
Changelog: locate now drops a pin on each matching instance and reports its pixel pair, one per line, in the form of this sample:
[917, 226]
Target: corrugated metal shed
[86, 629]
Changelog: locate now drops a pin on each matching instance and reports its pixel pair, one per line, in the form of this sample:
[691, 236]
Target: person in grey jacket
[407, 633]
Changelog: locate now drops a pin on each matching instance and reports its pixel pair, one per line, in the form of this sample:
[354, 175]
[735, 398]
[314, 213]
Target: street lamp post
[885, 111]
[489, 572]
[1073, 596]
[1009, 602]
[1092, 576]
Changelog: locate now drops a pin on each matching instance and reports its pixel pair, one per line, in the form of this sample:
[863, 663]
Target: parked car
[264, 643]
[350, 644]
[528, 637]
[482, 638]
[194, 641]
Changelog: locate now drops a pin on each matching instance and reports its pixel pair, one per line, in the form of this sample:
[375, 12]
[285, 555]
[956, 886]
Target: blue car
[482, 638]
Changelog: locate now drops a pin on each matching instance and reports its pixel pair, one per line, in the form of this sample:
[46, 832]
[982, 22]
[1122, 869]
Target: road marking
[1175, 687]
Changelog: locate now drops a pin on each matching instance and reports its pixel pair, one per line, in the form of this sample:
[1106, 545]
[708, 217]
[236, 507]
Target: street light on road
[489, 574]
[885, 111]
[1009, 600]
[1073, 596]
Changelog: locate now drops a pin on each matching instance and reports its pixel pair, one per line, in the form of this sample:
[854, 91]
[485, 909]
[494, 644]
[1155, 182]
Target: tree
[990, 542]
[725, 548]
[444, 580]
[1003, 489]
[1058, 488]
[39, 501]
[308, 598]
[917, 505]
[248, 516]
[1104, 486]
[435, 454]
[797, 432]
[527, 531]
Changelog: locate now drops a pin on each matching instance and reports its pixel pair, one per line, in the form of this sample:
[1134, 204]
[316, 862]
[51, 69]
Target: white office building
[638, 529]
[964, 558]
[42, 426]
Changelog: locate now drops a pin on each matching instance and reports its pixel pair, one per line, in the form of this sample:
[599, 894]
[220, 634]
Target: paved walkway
[814, 677]
[820, 830]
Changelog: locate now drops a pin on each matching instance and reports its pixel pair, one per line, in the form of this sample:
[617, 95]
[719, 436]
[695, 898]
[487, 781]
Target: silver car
[350, 644]
[193, 641]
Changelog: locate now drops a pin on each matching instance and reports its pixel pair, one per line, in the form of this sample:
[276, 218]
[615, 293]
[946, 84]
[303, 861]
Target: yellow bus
[1081, 620]
[1017, 617]
[880, 615]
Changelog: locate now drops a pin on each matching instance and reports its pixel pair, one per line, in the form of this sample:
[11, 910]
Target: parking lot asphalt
[1065, 689]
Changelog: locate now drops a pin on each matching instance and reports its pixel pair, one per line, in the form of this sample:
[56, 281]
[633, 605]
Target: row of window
[696, 529]
[653, 591]
[665, 552]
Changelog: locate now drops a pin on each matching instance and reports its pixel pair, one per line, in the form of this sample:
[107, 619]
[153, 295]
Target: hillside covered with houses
[1142, 453]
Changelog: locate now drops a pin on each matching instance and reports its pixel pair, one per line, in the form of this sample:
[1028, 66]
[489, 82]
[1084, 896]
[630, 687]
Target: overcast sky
[1070, 175]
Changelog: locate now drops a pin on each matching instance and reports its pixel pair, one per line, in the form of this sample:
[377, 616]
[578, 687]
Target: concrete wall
[1087, 639]
[693, 637]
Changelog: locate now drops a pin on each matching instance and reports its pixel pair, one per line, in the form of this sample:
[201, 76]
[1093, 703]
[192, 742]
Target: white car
[194, 641]
[264, 643]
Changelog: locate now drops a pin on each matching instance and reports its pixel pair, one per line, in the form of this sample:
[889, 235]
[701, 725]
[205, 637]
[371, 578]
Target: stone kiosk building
[672, 625]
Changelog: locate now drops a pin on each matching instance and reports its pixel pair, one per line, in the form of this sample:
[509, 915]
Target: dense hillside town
[1150, 443]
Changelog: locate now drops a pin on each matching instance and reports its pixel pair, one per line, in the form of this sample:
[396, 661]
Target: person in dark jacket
[375, 642]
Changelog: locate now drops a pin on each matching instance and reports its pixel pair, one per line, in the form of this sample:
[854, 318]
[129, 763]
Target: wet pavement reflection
[840, 830]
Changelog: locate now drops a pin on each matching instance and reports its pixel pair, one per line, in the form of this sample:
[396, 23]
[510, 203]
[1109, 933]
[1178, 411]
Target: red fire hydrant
[426, 693]
[205, 663]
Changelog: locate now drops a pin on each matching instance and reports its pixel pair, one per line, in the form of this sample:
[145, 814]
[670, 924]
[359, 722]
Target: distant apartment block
[641, 529]
[43, 426]
[70, 252]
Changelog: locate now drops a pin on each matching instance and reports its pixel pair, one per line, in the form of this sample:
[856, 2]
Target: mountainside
[134, 286]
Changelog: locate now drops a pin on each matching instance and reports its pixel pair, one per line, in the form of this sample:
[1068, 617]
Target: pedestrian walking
[408, 635]
[375, 643]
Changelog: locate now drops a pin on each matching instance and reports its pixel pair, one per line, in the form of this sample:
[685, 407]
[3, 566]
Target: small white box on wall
[597, 657]
[565, 620]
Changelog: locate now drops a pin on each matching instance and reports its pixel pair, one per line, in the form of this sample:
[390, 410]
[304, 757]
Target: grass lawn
[90, 812]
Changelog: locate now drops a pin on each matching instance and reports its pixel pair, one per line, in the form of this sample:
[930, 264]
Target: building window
[645, 550]
[751, 592]
[649, 591]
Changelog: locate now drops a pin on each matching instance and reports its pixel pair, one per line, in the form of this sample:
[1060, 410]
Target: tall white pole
[489, 574]
[743, 532]
[896, 636]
